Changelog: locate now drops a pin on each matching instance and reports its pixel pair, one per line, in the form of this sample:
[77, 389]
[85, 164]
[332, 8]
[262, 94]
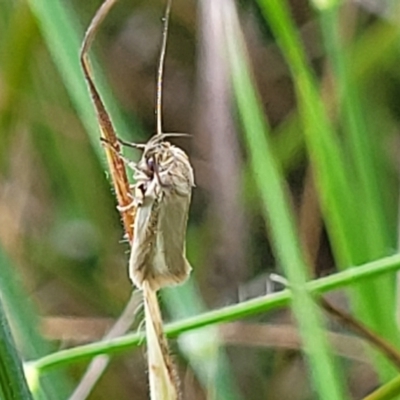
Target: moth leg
[129, 206]
[107, 143]
[128, 162]
[138, 195]
[122, 142]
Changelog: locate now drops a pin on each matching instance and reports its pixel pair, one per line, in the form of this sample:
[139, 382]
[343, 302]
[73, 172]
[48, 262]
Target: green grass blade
[323, 147]
[25, 322]
[277, 211]
[357, 134]
[63, 37]
[389, 391]
[12, 379]
[371, 216]
[335, 179]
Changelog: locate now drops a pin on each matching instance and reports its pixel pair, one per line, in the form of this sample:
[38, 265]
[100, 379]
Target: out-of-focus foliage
[334, 138]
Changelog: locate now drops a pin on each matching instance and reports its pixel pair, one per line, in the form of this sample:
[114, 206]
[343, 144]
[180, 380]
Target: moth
[161, 195]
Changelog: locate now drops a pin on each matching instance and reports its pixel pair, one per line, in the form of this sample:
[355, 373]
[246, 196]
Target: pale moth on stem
[158, 205]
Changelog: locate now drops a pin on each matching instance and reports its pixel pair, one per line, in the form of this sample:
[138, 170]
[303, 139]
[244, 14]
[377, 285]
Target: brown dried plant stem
[359, 328]
[162, 377]
[115, 163]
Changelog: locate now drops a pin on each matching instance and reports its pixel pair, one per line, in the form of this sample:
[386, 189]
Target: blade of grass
[357, 134]
[323, 146]
[366, 58]
[63, 37]
[25, 323]
[16, 45]
[269, 179]
[12, 379]
[389, 391]
[371, 218]
[244, 309]
[334, 178]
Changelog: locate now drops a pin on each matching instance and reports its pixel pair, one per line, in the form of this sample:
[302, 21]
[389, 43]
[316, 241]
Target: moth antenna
[125, 160]
[175, 134]
[161, 67]
[156, 139]
[139, 146]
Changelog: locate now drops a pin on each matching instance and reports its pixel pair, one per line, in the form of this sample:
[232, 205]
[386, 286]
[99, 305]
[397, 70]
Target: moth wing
[144, 241]
[170, 260]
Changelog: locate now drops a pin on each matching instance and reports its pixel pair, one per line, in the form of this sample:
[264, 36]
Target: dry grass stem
[154, 214]
[163, 379]
[115, 162]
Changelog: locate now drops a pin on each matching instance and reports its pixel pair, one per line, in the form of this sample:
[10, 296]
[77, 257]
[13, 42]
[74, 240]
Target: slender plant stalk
[227, 314]
[356, 326]
[163, 380]
[112, 147]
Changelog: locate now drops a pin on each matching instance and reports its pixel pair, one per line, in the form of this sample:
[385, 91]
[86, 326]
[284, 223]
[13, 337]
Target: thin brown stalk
[356, 326]
[162, 377]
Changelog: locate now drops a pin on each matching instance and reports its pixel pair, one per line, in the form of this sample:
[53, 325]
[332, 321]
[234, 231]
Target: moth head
[151, 158]
[147, 165]
[156, 153]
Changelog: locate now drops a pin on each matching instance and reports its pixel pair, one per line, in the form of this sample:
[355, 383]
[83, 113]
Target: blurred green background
[333, 115]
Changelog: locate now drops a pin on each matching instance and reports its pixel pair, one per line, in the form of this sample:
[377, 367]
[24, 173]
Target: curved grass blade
[13, 384]
[326, 379]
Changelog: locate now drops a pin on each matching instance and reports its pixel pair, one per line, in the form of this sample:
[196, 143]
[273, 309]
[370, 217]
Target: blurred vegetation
[295, 145]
